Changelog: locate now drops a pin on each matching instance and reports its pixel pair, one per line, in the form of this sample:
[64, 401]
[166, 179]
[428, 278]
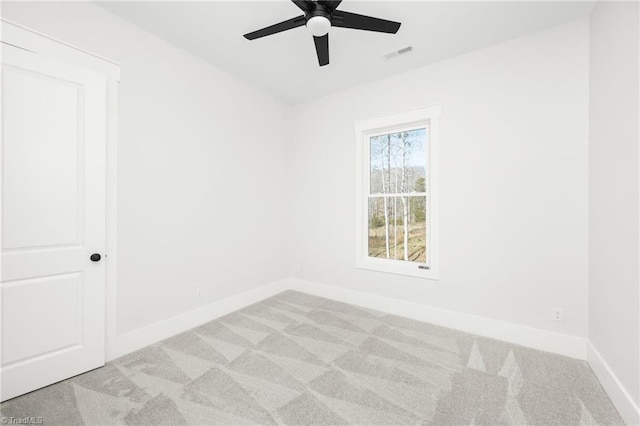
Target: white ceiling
[285, 64]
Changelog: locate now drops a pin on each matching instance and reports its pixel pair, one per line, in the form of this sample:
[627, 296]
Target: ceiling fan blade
[304, 5]
[298, 21]
[362, 22]
[322, 49]
[330, 4]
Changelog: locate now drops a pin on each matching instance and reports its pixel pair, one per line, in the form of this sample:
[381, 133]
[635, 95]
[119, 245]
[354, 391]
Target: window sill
[410, 269]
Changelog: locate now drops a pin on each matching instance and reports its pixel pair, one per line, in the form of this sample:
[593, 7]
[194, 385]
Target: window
[397, 193]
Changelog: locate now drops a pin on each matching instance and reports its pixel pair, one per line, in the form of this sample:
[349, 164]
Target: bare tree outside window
[397, 219]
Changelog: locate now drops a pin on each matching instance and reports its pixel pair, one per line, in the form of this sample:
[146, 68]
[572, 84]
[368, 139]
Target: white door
[53, 220]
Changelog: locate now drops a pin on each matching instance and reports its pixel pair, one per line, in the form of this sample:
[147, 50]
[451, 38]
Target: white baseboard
[125, 343]
[549, 341]
[545, 340]
[627, 408]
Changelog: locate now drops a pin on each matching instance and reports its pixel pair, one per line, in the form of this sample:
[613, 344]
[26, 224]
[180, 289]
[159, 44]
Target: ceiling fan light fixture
[318, 25]
[319, 16]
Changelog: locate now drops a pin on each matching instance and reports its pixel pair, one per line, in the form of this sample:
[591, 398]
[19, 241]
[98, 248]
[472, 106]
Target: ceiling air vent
[397, 53]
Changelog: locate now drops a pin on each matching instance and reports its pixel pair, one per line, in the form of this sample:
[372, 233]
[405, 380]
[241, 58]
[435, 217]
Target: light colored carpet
[300, 360]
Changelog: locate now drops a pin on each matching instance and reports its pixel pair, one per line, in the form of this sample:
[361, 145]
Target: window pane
[393, 218]
[397, 162]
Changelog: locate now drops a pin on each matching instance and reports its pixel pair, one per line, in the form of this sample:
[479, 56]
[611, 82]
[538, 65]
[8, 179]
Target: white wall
[614, 215]
[513, 181]
[201, 168]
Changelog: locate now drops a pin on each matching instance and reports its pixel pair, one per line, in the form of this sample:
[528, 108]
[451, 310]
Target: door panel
[27, 302]
[42, 179]
[53, 219]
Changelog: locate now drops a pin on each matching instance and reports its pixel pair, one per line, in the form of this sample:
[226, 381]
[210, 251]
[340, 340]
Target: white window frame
[427, 116]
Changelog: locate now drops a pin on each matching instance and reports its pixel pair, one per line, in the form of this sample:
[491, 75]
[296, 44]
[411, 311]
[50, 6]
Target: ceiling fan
[319, 16]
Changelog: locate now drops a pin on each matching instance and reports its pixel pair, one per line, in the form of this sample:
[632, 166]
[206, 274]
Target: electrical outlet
[297, 269]
[557, 314]
[198, 293]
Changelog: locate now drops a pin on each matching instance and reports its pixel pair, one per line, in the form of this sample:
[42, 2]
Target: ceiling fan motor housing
[318, 10]
[318, 21]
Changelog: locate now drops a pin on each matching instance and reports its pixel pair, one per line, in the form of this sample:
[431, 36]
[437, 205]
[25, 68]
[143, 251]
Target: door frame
[25, 38]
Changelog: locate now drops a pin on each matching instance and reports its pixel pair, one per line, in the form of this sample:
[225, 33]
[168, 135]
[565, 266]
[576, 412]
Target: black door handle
[95, 257]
